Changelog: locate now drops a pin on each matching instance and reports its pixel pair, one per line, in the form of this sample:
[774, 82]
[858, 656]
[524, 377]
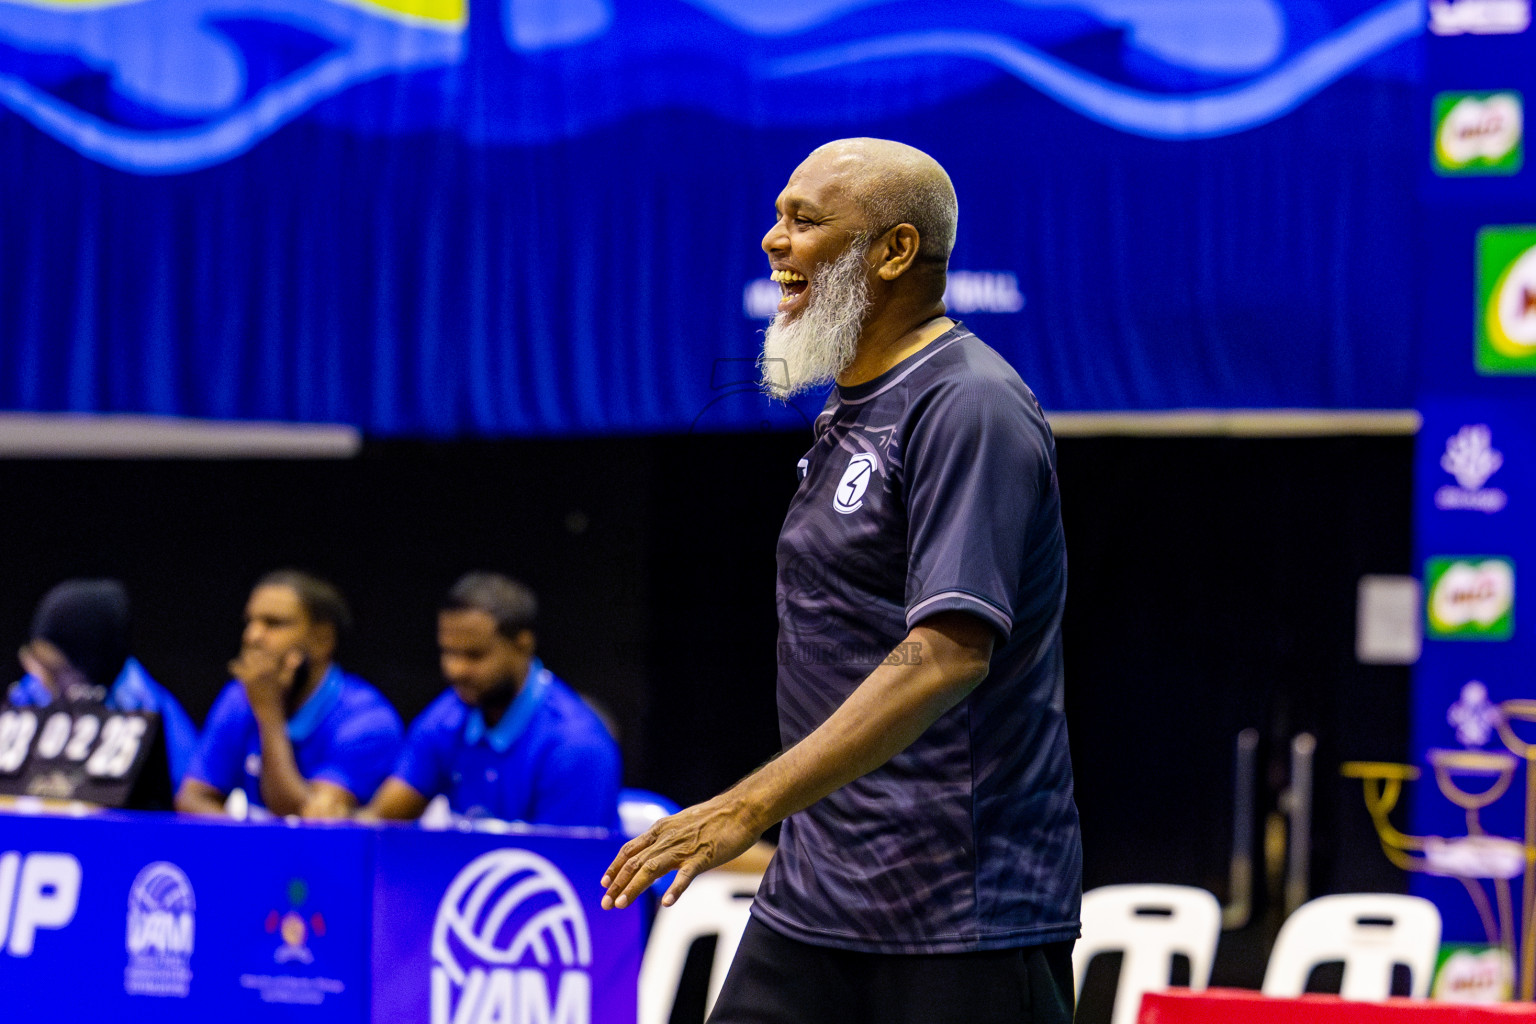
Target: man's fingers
[685, 876]
[625, 855]
[644, 875]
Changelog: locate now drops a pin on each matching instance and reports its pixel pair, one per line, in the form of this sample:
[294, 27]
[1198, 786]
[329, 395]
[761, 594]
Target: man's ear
[898, 251]
[525, 642]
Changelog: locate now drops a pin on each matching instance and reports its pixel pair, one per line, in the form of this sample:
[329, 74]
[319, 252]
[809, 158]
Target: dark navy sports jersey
[931, 488]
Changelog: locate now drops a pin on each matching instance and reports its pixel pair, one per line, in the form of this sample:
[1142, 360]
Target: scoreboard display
[85, 752]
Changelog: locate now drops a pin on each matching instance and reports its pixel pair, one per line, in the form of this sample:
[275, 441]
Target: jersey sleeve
[578, 784]
[180, 735]
[217, 758]
[976, 466]
[423, 761]
[362, 751]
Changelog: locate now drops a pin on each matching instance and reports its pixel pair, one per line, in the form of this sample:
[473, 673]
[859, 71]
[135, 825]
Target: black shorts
[778, 980]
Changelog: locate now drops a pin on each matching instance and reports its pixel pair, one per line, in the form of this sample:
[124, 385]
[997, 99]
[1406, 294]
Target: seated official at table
[294, 731]
[79, 654]
[507, 740]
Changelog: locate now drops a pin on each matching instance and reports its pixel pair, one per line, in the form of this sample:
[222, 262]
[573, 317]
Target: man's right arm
[419, 773]
[197, 797]
[396, 800]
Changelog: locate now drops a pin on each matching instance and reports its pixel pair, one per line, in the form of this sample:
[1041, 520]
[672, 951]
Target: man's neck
[305, 687]
[888, 340]
[494, 705]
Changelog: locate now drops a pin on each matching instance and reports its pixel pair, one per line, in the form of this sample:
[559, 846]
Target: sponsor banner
[1474, 480]
[1470, 598]
[1479, 132]
[1475, 470]
[504, 928]
[1506, 300]
[153, 917]
[1473, 973]
[1479, 17]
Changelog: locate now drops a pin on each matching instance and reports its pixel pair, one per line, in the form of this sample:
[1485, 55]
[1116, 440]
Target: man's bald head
[894, 183]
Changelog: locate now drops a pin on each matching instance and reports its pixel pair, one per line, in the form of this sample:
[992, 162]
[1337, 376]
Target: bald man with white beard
[929, 868]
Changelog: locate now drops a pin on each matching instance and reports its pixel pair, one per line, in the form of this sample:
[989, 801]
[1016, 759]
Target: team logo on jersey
[511, 944]
[162, 914]
[849, 497]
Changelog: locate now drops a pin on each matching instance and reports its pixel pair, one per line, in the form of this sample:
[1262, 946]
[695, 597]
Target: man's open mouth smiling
[790, 285]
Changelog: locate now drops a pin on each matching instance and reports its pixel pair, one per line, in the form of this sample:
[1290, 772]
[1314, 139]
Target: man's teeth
[786, 277]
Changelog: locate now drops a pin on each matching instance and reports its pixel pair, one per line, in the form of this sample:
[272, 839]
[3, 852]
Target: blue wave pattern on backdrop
[453, 217]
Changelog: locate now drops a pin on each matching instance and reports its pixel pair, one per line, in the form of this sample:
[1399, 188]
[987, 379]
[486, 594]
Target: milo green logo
[1479, 133]
[1470, 598]
[1506, 300]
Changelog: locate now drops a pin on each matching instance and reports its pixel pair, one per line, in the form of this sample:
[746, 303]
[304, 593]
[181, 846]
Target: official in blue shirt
[294, 731]
[507, 740]
[79, 653]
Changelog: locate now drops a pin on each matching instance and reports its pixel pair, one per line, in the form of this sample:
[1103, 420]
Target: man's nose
[777, 239]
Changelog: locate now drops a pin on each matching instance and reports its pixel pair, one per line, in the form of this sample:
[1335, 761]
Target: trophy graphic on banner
[1472, 779]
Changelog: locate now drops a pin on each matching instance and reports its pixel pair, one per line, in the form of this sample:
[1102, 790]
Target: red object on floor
[1243, 1006]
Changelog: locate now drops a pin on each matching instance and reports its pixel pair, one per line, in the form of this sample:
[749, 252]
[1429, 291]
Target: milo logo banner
[499, 928]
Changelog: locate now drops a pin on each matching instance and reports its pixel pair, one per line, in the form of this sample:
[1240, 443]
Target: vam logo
[510, 931]
[1506, 293]
[40, 890]
[1470, 599]
[1479, 133]
[849, 497]
[1471, 458]
[162, 924]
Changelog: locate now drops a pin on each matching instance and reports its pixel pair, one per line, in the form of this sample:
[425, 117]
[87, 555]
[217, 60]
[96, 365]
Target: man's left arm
[943, 659]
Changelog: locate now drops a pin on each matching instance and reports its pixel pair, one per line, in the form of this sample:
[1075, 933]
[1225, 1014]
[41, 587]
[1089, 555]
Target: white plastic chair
[1148, 924]
[1369, 932]
[716, 903]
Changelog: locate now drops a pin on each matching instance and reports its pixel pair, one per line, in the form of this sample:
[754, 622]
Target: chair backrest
[1369, 932]
[639, 809]
[1148, 924]
[716, 903]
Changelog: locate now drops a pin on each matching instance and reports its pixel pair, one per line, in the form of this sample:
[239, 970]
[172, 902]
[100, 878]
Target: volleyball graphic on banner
[511, 943]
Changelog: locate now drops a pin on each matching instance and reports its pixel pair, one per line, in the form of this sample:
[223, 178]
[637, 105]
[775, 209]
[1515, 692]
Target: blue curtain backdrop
[540, 217]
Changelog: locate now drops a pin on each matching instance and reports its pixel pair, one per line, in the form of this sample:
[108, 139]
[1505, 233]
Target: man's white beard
[813, 348]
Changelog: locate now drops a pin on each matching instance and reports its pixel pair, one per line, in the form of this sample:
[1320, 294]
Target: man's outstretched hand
[691, 841]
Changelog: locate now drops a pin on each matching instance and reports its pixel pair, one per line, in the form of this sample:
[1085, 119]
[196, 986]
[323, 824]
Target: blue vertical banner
[1473, 819]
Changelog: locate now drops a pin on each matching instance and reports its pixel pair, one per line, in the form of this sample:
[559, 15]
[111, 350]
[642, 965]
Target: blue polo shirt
[548, 761]
[346, 734]
[133, 690]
